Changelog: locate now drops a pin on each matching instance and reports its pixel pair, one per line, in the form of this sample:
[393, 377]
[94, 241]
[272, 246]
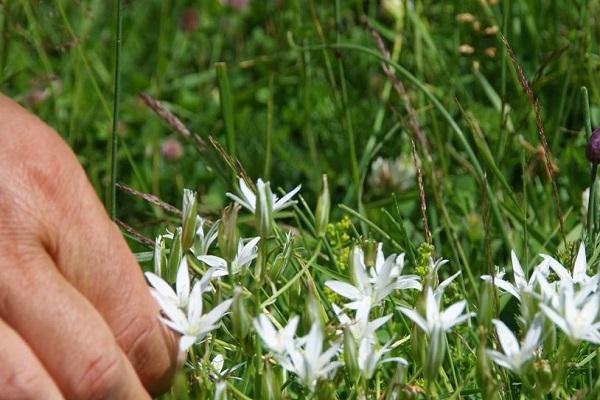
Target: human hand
[76, 317]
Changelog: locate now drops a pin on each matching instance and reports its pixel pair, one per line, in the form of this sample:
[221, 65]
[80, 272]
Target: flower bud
[264, 209]
[593, 147]
[436, 352]
[229, 235]
[159, 256]
[370, 249]
[270, 388]
[189, 214]
[240, 317]
[174, 256]
[323, 207]
[486, 304]
[350, 354]
[282, 259]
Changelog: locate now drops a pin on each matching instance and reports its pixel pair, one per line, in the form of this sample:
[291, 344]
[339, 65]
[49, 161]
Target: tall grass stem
[115, 119]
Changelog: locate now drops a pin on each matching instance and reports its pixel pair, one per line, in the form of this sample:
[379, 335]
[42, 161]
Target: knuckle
[149, 350]
[100, 376]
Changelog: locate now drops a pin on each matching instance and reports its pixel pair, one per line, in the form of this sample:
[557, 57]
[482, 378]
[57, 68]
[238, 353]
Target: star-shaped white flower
[579, 274]
[575, 312]
[370, 291]
[514, 357]
[180, 297]
[360, 328]
[184, 308]
[436, 320]
[246, 253]
[276, 340]
[306, 359]
[248, 198]
[522, 285]
[369, 358]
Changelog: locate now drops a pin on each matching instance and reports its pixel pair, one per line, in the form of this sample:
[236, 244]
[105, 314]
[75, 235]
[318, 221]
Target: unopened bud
[174, 256]
[436, 352]
[323, 207]
[282, 259]
[486, 304]
[370, 249]
[160, 259]
[188, 219]
[350, 354]
[270, 388]
[240, 317]
[229, 235]
[264, 209]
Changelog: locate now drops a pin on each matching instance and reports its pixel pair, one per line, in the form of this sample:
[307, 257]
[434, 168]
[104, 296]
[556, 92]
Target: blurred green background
[57, 59]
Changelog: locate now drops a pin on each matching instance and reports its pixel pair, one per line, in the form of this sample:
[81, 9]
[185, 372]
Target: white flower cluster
[570, 300]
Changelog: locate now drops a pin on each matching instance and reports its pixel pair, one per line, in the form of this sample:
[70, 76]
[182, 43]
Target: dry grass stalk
[150, 198]
[540, 129]
[414, 125]
[138, 237]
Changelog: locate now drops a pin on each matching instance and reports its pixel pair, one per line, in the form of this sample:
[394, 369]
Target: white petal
[507, 339]
[182, 283]
[412, 314]
[344, 289]
[502, 360]
[452, 313]
[162, 287]
[214, 261]
[580, 267]
[284, 201]
[556, 318]
[186, 342]
[249, 206]
[517, 270]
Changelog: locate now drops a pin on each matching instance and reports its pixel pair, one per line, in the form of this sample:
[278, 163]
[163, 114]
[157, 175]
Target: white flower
[306, 359]
[182, 284]
[204, 240]
[369, 292]
[369, 359]
[276, 340]
[515, 356]
[579, 275]
[521, 285]
[246, 253]
[248, 198]
[575, 312]
[360, 328]
[218, 373]
[184, 309]
[436, 320]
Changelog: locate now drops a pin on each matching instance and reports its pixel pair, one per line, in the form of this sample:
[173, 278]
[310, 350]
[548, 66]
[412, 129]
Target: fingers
[64, 330]
[84, 244]
[22, 376]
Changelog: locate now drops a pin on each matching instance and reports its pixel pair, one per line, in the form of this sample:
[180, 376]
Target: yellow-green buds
[370, 249]
[282, 259]
[188, 218]
[323, 207]
[228, 232]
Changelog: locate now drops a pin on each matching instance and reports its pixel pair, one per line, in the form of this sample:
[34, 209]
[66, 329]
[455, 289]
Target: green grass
[294, 89]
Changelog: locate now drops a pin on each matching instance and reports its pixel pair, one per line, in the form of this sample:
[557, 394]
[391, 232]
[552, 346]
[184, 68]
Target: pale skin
[76, 317]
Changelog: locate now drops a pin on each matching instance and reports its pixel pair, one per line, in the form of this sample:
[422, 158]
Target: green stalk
[113, 134]
[268, 145]
[592, 197]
